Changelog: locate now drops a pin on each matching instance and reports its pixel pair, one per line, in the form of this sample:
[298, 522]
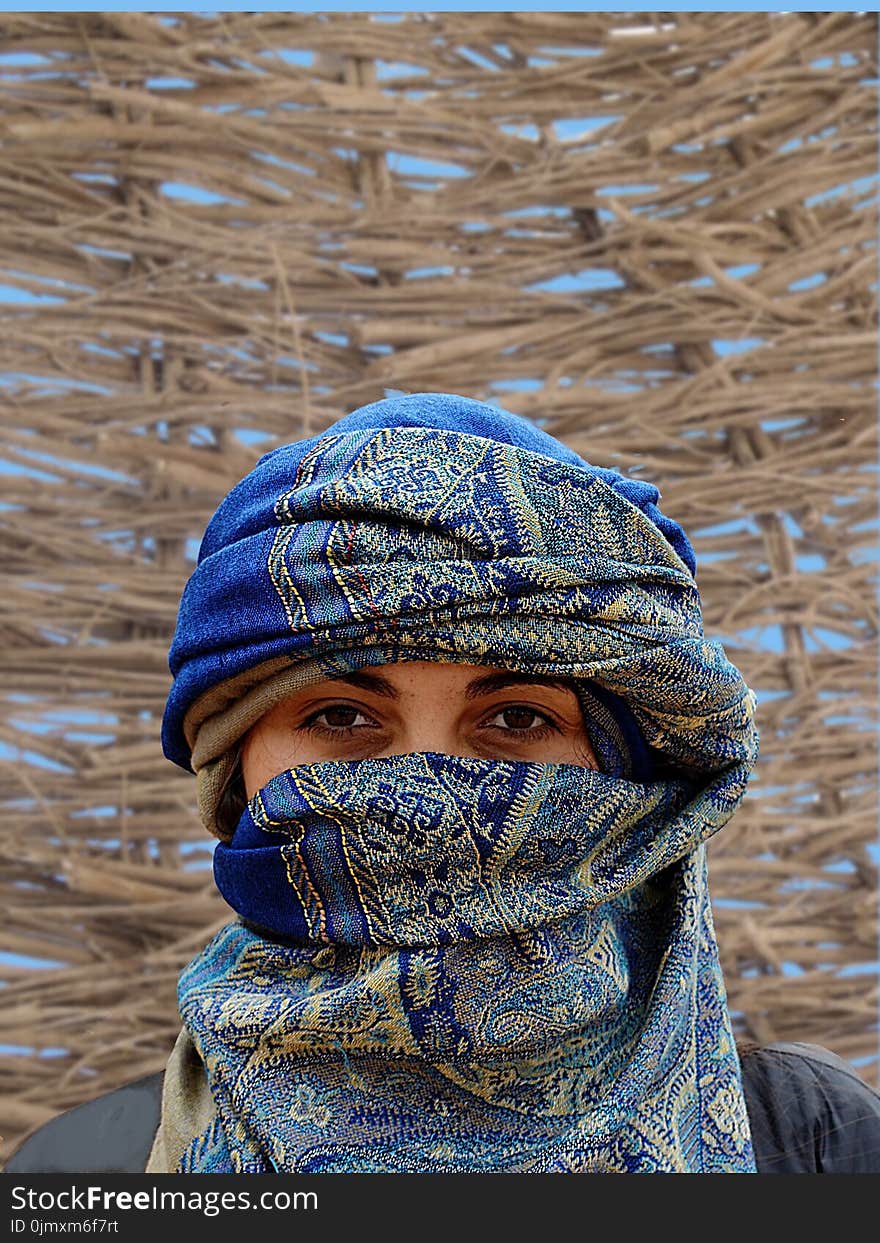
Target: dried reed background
[325, 267]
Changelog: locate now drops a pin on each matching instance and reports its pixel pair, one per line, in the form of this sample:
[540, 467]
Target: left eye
[339, 717]
[518, 718]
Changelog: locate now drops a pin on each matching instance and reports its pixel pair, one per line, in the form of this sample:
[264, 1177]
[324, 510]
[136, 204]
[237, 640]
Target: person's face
[477, 711]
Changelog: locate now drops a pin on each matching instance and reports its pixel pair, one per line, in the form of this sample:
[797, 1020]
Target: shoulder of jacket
[111, 1134]
[817, 1058]
[810, 1112]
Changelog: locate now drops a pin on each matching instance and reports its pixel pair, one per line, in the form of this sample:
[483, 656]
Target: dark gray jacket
[809, 1112]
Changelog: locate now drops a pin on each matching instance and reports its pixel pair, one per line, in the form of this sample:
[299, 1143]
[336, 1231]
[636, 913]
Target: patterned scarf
[456, 964]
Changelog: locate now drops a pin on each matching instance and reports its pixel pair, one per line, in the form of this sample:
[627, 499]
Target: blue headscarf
[453, 963]
[201, 658]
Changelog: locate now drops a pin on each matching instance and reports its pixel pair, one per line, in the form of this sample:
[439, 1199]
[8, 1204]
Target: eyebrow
[484, 685]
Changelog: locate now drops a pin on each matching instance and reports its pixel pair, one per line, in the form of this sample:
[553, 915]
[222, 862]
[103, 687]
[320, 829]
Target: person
[456, 725]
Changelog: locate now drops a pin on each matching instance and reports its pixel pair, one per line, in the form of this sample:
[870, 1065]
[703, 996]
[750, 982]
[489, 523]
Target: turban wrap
[449, 963]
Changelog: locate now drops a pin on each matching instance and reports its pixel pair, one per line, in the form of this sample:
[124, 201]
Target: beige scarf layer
[187, 1107]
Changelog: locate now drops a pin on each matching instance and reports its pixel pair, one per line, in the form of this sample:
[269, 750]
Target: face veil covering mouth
[448, 964]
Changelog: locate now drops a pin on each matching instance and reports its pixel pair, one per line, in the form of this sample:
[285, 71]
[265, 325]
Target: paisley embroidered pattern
[496, 967]
[472, 965]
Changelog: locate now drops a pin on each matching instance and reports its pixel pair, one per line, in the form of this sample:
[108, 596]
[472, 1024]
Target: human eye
[522, 722]
[342, 721]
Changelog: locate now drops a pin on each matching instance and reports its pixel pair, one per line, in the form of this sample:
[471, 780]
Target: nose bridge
[427, 722]
[428, 735]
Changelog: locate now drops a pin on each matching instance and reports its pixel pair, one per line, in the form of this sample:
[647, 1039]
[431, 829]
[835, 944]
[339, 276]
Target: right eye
[341, 720]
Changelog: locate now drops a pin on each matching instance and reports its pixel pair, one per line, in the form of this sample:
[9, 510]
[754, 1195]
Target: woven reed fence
[654, 234]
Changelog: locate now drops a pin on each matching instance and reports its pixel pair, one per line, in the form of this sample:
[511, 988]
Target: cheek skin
[267, 752]
[572, 748]
[584, 754]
